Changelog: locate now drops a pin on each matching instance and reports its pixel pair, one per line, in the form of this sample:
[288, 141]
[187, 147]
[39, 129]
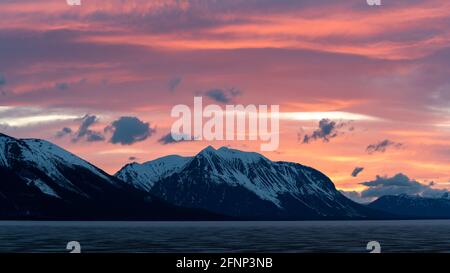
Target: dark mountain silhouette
[414, 206]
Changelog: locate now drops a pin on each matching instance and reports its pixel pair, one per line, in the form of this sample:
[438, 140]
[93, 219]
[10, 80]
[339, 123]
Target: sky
[364, 90]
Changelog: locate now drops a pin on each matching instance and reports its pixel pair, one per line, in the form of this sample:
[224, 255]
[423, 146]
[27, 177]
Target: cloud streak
[174, 82]
[168, 139]
[18, 117]
[357, 171]
[382, 146]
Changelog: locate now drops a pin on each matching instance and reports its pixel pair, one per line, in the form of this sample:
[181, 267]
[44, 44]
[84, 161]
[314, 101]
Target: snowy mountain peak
[229, 154]
[143, 176]
[208, 149]
[3, 136]
[167, 161]
[39, 161]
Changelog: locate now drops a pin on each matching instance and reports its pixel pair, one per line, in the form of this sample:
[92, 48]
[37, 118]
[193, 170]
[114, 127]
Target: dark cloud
[2, 79]
[168, 139]
[218, 95]
[84, 132]
[174, 83]
[132, 158]
[63, 132]
[327, 130]
[382, 146]
[399, 184]
[94, 137]
[395, 185]
[357, 171]
[129, 130]
[356, 196]
[62, 86]
[235, 92]
[2, 83]
[223, 95]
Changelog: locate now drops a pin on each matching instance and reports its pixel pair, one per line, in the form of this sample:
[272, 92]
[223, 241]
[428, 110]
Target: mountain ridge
[248, 185]
[414, 206]
[40, 180]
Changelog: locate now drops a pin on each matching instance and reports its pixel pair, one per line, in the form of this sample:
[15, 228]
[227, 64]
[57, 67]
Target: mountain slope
[414, 206]
[39, 180]
[250, 186]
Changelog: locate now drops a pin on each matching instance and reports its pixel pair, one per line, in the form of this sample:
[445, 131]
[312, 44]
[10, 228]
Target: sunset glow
[381, 75]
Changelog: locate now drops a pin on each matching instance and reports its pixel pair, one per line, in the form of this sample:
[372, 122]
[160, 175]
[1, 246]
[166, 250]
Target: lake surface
[309, 236]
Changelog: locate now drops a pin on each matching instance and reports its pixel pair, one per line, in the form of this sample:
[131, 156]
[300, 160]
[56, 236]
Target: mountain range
[39, 180]
[245, 185]
[414, 206]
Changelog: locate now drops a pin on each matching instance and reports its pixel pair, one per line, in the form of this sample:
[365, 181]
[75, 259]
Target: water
[311, 236]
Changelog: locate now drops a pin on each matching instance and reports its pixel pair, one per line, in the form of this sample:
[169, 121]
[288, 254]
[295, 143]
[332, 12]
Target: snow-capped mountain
[244, 184]
[39, 180]
[144, 176]
[39, 160]
[414, 206]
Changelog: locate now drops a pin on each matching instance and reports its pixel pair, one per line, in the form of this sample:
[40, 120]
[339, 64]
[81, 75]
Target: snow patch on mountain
[43, 187]
[48, 155]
